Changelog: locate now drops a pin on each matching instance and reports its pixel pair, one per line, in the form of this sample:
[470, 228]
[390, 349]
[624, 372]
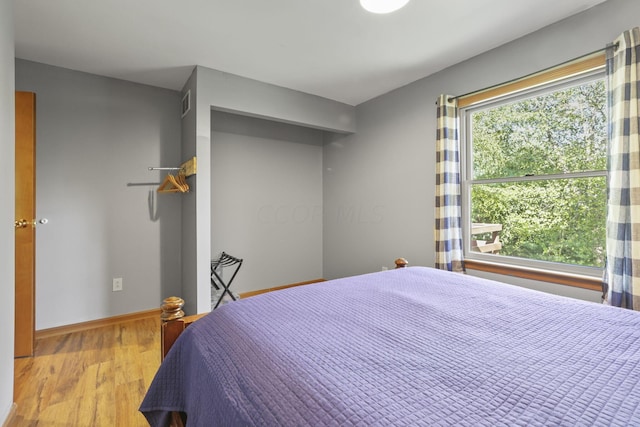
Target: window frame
[587, 69]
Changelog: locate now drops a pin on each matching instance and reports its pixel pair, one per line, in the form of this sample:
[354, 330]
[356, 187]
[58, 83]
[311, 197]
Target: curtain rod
[613, 46]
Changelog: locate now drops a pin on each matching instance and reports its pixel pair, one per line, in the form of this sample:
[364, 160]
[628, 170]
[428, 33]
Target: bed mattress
[407, 347]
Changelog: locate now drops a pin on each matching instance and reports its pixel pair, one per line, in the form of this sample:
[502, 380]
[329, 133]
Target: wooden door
[25, 239]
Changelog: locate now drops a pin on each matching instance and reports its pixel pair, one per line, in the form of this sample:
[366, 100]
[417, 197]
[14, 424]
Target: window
[534, 176]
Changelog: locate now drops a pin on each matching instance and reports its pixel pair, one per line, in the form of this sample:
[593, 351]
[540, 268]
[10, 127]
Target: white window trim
[466, 165]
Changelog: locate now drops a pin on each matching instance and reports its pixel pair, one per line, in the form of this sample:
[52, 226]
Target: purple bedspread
[407, 347]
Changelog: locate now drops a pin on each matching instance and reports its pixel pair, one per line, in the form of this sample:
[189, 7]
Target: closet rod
[188, 168]
[141, 184]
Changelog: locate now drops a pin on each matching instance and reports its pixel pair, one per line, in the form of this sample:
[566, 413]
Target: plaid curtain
[448, 231]
[621, 284]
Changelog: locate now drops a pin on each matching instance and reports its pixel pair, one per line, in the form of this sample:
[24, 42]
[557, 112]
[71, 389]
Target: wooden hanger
[171, 185]
[182, 180]
[177, 183]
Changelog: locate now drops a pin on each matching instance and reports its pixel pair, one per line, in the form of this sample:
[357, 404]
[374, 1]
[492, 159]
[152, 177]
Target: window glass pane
[558, 132]
[560, 220]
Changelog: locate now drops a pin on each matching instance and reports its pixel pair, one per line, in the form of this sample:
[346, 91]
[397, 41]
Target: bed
[406, 347]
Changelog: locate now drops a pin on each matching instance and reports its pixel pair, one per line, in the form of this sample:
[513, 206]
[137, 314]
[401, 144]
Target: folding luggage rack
[222, 288]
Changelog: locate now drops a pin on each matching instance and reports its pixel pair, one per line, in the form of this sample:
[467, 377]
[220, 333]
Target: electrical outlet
[117, 284]
[384, 268]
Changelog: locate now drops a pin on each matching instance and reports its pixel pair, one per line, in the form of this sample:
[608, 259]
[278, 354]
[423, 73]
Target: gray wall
[386, 170]
[7, 204]
[266, 204]
[213, 89]
[96, 137]
[254, 98]
[190, 221]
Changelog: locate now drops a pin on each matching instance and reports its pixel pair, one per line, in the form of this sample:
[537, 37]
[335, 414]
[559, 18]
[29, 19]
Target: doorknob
[21, 223]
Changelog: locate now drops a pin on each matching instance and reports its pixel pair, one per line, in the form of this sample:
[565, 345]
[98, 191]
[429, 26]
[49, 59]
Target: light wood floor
[90, 378]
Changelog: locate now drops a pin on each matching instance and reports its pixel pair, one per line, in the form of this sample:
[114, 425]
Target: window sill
[585, 282]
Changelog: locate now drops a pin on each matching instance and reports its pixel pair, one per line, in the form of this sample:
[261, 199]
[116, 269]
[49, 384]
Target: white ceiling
[330, 48]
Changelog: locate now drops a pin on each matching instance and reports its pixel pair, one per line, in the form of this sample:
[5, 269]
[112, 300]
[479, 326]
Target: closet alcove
[266, 199]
